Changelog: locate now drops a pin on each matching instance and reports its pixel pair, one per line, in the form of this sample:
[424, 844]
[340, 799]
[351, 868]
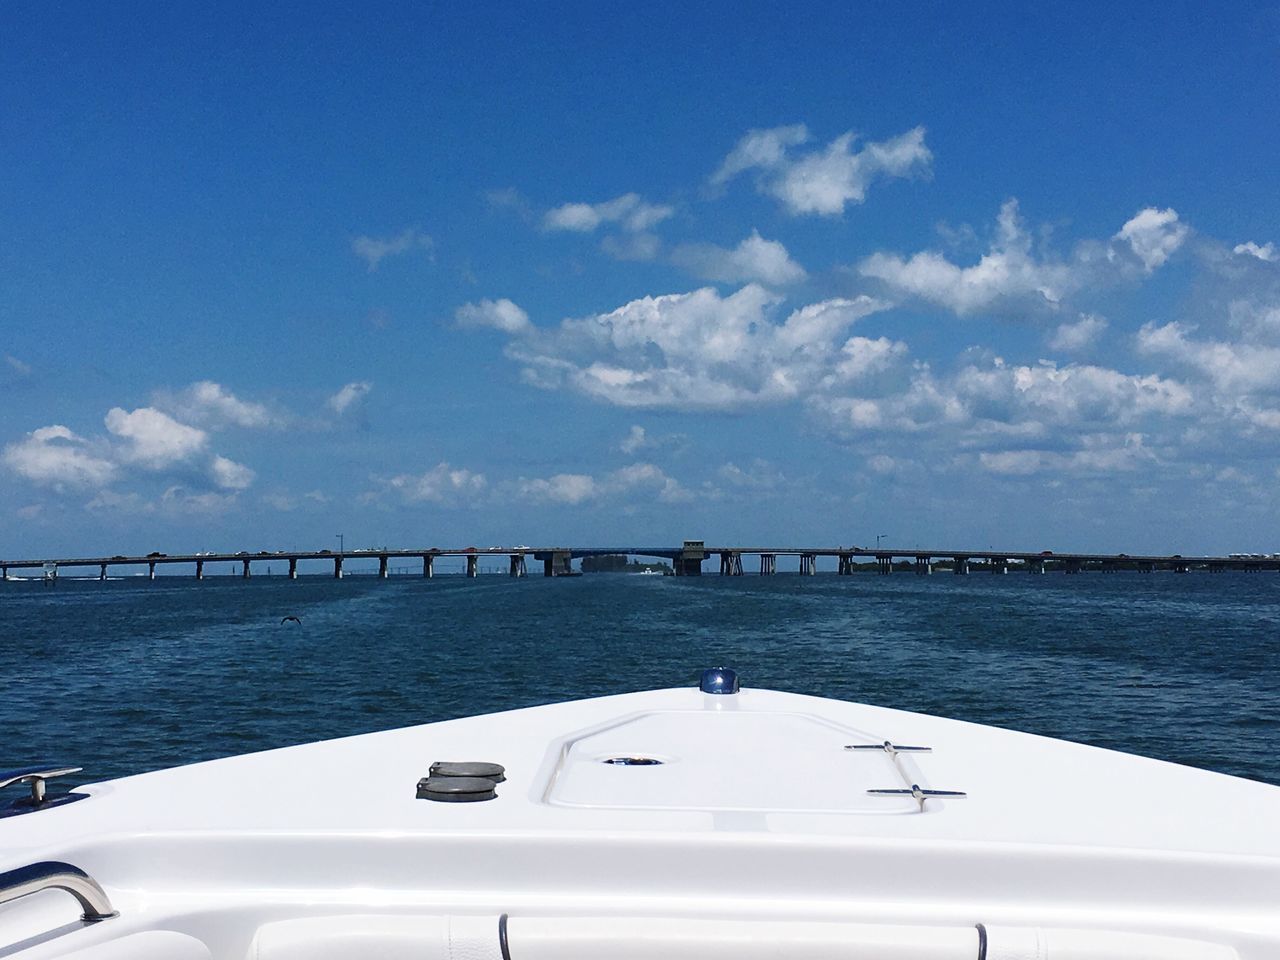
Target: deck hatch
[730, 760]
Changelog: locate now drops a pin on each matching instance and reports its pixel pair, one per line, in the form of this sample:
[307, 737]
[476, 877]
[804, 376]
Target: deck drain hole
[633, 761]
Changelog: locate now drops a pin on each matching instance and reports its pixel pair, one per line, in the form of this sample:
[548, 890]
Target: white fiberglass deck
[757, 814]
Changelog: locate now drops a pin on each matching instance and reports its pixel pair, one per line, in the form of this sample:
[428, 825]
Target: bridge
[687, 559]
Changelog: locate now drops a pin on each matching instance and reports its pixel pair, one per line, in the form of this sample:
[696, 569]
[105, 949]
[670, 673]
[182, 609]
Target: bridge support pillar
[428, 566]
[1035, 566]
[293, 568]
[199, 570]
[845, 566]
[337, 567]
[768, 564]
[808, 564]
[884, 564]
[151, 570]
[923, 566]
[999, 565]
[1072, 566]
[517, 565]
[559, 563]
[473, 565]
[102, 571]
[960, 566]
[382, 566]
[730, 563]
[245, 573]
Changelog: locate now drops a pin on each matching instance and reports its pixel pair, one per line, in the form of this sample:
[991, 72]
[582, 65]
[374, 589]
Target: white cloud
[373, 250]
[349, 395]
[760, 149]
[212, 404]
[54, 456]
[442, 484]
[1235, 368]
[571, 488]
[759, 475]
[1009, 271]
[499, 314]
[1098, 455]
[634, 440]
[1072, 337]
[230, 475]
[577, 488]
[1010, 407]
[755, 258]
[823, 181]
[699, 350]
[1012, 274]
[638, 439]
[17, 366]
[630, 211]
[635, 247]
[153, 439]
[1266, 251]
[175, 501]
[1154, 235]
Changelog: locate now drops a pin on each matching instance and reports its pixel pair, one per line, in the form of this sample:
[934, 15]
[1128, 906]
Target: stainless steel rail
[55, 875]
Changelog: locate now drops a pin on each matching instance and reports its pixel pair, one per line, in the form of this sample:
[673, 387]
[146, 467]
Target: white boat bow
[665, 824]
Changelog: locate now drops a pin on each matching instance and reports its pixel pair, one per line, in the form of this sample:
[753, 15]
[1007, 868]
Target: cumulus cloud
[1266, 251]
[230, 475]
[138, 443]
[209, 403]
[349, 395]
[761, 149]
[1014, 275]
[499, 314]
[700, 350]
[443, 484]
[175, 501]
[754, 259]
[153, 439]
[636, 439]
[1072, 337]
[570, 488]
[1009, 271]
[826, 180]
[1154, 235]
[55, 456]
[1235, 368]
[1013, 411]
[1099, 455]
[373, 250]
[577, 488]
[630, 211]
[759, 475]
[636, 247]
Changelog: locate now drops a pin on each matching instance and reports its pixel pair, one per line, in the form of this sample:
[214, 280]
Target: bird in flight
[294, 619]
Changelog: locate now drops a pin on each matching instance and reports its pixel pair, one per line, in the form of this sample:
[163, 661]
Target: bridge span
[687, 559]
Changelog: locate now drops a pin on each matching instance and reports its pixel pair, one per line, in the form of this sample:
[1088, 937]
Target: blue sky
[575, 273]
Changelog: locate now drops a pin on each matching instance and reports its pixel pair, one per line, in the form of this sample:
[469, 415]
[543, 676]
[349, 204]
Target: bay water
[131, 675]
